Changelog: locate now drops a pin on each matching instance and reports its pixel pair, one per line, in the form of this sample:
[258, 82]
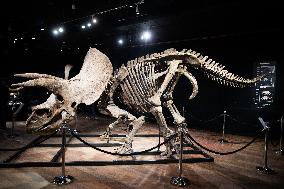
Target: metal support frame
[18, 153]
[223, 140]
[53, 163]
[281, 151]
[265, 169]
[63, 179]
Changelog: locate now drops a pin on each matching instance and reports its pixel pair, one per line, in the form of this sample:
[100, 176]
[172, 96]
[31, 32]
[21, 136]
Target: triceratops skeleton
[144, 84]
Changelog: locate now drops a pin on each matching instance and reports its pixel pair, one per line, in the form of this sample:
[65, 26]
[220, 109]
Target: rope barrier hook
[265, 126]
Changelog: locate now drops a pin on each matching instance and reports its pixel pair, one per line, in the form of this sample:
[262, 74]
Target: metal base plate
[179, 181]
[280, 152]
[63, 180]
[265, 170]
[223, 141]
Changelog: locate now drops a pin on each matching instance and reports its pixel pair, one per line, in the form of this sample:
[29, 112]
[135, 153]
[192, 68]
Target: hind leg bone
[166, 132]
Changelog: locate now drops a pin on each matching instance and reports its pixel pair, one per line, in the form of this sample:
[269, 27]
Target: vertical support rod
[159, 138]
[63, 178]
[63, 149]
[180, 180]
[180, 153]
[281, 152]
[13, 126]
[224, 123]
[281, 136]
[76, 120]
[265, 148]
[265, 169]
[223, 140]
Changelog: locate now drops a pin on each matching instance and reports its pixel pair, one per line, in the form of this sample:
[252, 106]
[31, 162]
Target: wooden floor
[230, 171]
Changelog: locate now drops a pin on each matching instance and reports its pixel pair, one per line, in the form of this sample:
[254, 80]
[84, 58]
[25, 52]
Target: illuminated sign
[264, 90]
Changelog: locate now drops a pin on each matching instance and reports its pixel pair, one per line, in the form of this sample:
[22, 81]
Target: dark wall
[237, 53]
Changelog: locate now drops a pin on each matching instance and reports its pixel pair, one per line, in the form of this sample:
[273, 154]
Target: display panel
[265, 89]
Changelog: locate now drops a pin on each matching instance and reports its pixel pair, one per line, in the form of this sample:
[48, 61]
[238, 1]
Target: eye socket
[73, 104]
[41, 112]
[60, 98]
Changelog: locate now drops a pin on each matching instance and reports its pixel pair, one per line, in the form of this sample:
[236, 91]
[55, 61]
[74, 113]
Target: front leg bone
[127, 146]
[121, 115]
[155, 99]
[107, 133]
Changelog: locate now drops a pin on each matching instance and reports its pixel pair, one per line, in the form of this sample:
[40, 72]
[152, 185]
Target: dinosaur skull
[48, 116]
[60, 107]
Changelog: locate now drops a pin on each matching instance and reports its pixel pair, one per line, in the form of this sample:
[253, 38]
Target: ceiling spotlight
[146, 36]
[73, 6]
[83, 26]
[55, 32]
[130, 6]
[60, 29]
[137, 10]
[42, 29]
[120, 41]
[21, 38]
[33, 38]
[94, 20]
[89, 24]
[16, 39]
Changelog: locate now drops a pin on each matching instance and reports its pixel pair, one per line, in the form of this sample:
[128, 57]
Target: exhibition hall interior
[141, 94]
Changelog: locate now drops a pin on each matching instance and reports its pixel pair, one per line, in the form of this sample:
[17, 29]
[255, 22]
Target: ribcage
[139, 85]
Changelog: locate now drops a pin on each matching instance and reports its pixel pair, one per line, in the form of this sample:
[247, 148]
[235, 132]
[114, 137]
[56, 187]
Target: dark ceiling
[236, 33]
[171, 20]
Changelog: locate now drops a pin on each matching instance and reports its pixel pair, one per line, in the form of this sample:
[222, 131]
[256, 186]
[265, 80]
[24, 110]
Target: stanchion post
[281, 152]
[12, 130]
[13, 126]
[76, 122]
[265, 169]
[63, 179]
[158, 150]
[180, 180]
[223, 140]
